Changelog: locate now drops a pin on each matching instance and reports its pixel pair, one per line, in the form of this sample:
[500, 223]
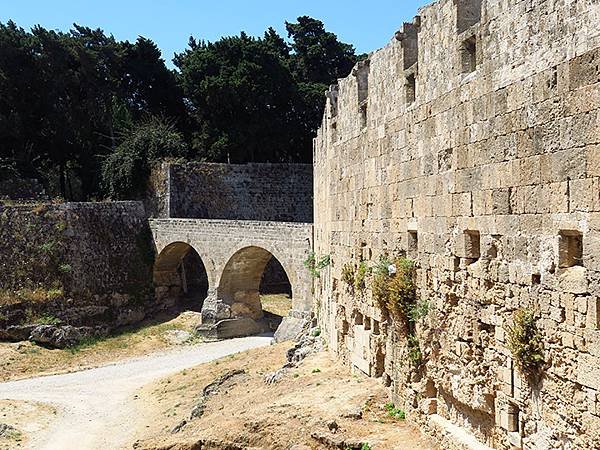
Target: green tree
[125, 172]
[319, 57]
[71, 102]
[241, 96]
[63, 97]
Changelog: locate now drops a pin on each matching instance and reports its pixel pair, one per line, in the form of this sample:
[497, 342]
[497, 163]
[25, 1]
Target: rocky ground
[249, 401]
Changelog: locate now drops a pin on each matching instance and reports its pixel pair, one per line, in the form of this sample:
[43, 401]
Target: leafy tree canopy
[126, 170]
[79, 109]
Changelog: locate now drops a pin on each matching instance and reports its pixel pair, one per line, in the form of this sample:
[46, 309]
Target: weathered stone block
[574, 280]
[588, 370]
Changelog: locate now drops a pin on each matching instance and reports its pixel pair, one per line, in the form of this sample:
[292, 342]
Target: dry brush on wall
[480, 162]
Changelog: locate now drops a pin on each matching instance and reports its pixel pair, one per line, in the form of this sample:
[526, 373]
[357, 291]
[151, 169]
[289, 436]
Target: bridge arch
[180, 276]
[243, 276]
[222, 244]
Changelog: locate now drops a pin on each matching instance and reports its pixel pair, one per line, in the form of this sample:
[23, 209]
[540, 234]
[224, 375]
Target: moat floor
[97, 408]
[153, 382]
[317, 405]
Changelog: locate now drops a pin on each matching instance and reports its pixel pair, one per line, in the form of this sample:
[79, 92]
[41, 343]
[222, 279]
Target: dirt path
[97, 408]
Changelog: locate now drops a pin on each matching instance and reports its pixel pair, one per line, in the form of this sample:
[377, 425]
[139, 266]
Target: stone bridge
[229, 260]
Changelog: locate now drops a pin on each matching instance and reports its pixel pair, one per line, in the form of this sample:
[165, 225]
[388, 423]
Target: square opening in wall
[468, 55]
[410, 89]
[358, 320]
[472, 245]
[375, 326]
[570, 249]
[363, 115]
[413, 243]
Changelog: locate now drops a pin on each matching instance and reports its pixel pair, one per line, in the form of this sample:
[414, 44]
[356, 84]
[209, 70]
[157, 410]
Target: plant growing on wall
[393, 285]
[419, 310]
[360, 276]
[394, 411]
[524, 340]
[348, 274]
[315, 265]
[414, 349]
[36, 271]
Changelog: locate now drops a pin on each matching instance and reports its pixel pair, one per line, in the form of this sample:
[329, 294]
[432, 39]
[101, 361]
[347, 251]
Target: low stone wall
[265, 192]
[75, 264]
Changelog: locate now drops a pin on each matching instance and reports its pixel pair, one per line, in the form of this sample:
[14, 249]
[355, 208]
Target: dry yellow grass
[39, 295]
[278, 304]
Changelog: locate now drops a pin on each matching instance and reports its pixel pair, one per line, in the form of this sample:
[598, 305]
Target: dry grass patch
[25, 359]
[26, 419]
[278, 304]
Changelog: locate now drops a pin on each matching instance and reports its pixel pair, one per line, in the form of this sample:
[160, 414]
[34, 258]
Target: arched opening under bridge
[180, 276]
[255, 284]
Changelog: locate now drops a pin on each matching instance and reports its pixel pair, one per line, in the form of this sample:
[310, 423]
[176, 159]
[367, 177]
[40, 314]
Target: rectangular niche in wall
[363, 115]
[413, 243]
[468, 13]
[472, 245]
[410, 89]
[361, 72]
[570, 249]
[468, 55]
[333, 96]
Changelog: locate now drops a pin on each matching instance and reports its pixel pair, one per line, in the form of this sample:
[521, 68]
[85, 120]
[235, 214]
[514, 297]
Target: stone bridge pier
[222, 263]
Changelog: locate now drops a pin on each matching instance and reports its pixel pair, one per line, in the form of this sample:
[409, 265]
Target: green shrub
[315, 266]
[54, 294]
[125, 171]
[396, 413]
[524, 341]
[393, 285]
[419, 310]
[414, 350]
[360, 276]
[65, 268]
[49, 247]
[47, 320]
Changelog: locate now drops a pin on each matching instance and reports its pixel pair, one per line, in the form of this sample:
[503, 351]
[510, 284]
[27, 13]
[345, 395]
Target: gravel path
[96, 407]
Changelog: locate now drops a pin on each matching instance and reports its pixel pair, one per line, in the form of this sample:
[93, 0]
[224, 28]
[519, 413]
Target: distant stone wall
[267, 192]
[85, 264]
[471, 144]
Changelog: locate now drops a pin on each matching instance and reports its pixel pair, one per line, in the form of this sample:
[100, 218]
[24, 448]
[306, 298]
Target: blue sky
[366, 24]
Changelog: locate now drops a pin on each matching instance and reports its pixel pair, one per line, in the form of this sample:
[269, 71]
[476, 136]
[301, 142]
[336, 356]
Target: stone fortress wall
[471, 143]
[264, 192]
[81, 265]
